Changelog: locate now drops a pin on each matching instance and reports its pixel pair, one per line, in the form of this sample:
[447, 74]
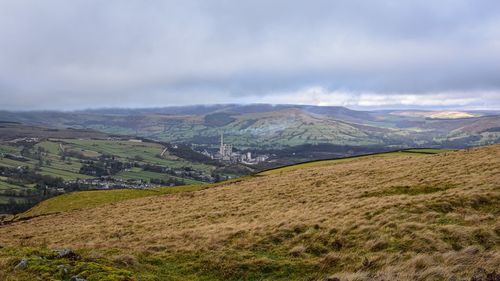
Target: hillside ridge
[432, 217]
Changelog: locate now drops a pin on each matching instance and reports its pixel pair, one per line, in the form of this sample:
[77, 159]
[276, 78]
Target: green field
[148, 152]
[138, 173]
[8, 149]
[64, 158]
[68, 169]
[14, 163]
[49, 146]
[8, 186]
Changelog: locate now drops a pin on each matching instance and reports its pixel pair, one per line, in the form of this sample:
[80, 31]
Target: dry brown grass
[430, 217]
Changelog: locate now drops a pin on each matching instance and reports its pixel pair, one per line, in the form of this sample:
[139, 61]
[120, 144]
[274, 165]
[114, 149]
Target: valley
[44, 154]
[273, 127]
[59, 161]
[249, 140]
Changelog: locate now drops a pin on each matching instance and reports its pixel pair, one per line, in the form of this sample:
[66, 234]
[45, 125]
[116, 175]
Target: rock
[66, 254]
[64, 268]
[331, 279]
[77, 278]
[22, 264]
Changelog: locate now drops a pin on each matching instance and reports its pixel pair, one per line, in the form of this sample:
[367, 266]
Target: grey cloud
[89, 53]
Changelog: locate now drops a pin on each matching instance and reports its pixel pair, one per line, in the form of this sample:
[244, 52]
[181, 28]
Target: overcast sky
[73, 54]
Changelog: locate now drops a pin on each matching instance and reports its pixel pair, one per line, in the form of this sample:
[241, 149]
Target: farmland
[88, 163]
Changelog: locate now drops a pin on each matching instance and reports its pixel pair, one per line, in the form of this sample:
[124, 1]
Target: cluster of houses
[227, 154]
[25, 140]
[112, 183]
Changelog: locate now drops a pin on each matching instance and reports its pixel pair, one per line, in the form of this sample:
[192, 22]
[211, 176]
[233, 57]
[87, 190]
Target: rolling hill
[404, 216]
[267, 126]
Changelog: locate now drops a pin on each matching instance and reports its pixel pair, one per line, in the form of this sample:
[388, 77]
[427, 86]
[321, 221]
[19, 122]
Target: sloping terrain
[10, 130]
[403, 217]
[275, 126]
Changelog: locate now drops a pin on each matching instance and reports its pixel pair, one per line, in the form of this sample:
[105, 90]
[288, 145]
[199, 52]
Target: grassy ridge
[430, 217]
[319, 163]
[90, 199]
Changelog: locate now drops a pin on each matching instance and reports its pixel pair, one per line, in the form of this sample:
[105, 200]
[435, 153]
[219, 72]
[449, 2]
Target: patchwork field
[116, 162]
[400, 217]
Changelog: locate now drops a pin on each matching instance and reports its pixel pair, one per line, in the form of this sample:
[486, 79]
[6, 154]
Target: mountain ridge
[275, 126]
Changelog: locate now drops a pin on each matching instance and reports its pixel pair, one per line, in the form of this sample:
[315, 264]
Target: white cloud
[321, 96]
[91, 53]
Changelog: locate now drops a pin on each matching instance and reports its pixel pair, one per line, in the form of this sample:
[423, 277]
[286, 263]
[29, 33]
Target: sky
[371, 54]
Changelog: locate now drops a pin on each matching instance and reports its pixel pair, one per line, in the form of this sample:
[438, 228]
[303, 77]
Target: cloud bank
[58, 54]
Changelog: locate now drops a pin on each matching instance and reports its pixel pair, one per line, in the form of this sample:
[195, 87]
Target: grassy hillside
[401, 217]
[91, 199]
[319, 163]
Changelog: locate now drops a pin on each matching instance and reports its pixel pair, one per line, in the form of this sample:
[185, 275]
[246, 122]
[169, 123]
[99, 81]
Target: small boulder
[77, 278]
[63, 268]
[66, 254]
[22, 264]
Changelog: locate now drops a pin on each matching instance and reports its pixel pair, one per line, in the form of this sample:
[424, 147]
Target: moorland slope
[403, 217]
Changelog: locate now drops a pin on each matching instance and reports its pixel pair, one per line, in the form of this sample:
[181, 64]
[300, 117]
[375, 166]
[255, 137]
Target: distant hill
[13, 130]
[265, 126]
[398, 216]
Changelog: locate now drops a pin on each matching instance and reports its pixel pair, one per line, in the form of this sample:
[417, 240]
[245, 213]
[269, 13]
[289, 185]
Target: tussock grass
[405, 217]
